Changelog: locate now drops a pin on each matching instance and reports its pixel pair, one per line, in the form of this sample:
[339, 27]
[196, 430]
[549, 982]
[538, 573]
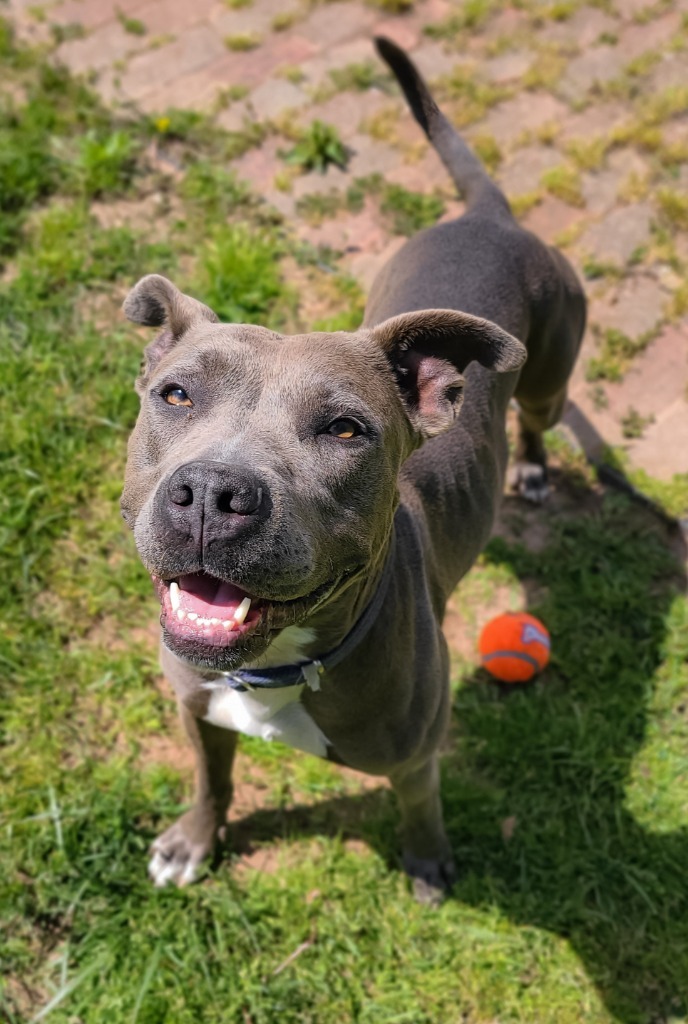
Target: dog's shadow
[537, 780]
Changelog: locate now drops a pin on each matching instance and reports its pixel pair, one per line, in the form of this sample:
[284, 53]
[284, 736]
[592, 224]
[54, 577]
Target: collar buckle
[312, 671]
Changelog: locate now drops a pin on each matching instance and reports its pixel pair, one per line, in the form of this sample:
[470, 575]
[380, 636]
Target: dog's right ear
[155, 302]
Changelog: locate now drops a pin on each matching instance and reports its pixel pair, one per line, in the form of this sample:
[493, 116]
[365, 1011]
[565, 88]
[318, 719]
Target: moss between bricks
[616, 353]
[406, 211]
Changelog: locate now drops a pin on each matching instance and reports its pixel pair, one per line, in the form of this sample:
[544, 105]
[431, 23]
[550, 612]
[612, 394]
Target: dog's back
[485, 264]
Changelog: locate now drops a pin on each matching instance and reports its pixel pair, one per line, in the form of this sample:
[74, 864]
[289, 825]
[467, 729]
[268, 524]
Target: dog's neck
[329, 626]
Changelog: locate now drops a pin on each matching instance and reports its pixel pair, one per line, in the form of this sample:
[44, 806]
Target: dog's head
[262, 471]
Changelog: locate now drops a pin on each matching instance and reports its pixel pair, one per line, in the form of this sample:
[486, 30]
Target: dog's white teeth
[192, 616]
[242, 611]
[175, 596]
[181, 614]
[214, 622]
[227, 623]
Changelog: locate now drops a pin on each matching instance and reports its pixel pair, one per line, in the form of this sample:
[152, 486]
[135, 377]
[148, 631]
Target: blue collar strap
[311, 672]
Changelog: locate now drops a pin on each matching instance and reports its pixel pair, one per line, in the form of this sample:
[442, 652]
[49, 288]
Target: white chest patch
[270, 714]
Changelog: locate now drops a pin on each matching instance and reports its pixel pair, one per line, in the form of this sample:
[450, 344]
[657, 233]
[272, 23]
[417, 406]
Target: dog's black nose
[216, 499]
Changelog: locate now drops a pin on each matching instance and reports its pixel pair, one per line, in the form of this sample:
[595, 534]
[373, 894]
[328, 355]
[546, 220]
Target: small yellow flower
[162, 123]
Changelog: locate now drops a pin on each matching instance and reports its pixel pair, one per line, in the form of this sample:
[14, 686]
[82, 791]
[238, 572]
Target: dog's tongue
[209, 598]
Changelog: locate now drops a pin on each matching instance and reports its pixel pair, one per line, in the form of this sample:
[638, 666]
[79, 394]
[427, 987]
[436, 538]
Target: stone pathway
[581, 110]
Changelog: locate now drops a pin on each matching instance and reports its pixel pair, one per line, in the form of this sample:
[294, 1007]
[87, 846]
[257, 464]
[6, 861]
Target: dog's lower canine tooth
[242, 611]
[175, 596]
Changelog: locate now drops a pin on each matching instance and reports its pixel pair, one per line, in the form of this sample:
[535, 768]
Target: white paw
[529, 480]
[176, 858]
[162, 871]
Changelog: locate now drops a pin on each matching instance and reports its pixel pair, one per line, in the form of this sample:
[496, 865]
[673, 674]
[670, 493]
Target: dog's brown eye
[345, 429]
[177, 396]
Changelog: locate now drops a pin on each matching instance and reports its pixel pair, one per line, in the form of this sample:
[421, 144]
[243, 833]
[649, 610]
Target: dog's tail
[465, 169]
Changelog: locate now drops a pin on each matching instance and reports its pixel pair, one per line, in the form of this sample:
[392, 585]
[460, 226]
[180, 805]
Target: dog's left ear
[430, 349]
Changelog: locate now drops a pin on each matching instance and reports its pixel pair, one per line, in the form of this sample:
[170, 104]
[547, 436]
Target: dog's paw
[529, 480]
[177, 855]
[431, 879]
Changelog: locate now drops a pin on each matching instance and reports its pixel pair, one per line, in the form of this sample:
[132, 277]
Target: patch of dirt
[320, 295]
[357, 846]
[271, 857]
[524, 524]
[258, 825]
[462, 636]
[152, 210]
[171, 749]
[22, 1000]
[264, 859]
[251, 788]
[103, 309]
[109, 634]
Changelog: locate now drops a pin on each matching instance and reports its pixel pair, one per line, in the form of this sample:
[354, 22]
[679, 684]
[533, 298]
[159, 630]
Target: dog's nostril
[244, 502]
[181, 495]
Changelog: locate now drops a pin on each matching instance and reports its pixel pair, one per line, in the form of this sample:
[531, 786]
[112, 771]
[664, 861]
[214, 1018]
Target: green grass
[243, 41]
[674, 207]
[487, 148]
[469, 99]
[410, 211]
[634, 424]
[406, 212]
[316, 207]
[473, 16]
[134, 26]
[565, 800]
[357, 76]
[615, 354]
[239, 276]
[284, 20]
[317, 147]
[392, 6]
[564, 182]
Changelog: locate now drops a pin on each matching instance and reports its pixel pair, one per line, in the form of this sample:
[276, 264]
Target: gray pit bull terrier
[305, 505]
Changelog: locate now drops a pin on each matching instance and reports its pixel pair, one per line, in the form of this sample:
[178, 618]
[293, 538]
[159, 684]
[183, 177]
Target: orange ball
[514, 647]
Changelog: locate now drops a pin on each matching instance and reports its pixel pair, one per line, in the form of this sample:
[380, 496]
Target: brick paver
[584, 111]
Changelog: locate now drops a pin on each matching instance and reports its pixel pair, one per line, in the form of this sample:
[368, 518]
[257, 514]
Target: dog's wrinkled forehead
[414, 360]
[246, 364]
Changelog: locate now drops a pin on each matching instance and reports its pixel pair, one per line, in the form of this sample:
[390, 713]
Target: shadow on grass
[536, 780]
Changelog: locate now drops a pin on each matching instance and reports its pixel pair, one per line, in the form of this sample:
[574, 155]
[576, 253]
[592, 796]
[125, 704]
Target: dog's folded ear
[155, 302]
[430, 349]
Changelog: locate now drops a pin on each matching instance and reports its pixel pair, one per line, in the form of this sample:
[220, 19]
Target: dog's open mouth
[200, 611]
[210, 611]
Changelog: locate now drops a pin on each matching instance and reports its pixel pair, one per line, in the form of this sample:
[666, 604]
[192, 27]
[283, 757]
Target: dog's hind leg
[528, 473]
[553, 345]
[427, 855]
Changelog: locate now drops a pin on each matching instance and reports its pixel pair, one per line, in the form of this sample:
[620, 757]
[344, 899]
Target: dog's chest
[270, 714]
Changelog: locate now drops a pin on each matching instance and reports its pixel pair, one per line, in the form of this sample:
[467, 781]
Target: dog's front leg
[427, 855]
[178, 852]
